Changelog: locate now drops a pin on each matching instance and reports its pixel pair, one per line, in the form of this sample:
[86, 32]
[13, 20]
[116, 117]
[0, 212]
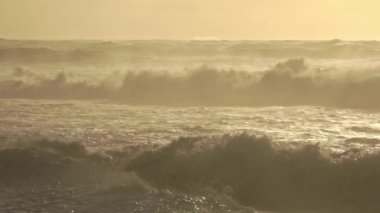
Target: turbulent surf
[189, 126]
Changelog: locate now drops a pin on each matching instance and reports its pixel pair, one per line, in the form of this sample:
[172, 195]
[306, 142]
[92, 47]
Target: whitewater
[189, 126]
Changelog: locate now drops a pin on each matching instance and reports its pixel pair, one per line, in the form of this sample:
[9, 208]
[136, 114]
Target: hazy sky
[188, 19]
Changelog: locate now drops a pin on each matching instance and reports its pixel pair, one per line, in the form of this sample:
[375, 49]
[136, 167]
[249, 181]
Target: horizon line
[174, 39]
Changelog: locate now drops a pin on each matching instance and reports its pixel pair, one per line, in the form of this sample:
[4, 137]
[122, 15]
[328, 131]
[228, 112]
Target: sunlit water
[102, 125]
[46, 177]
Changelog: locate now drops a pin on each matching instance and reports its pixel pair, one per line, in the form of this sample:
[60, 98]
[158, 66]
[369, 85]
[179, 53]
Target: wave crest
[42, 175]
[268, 178]
[292, 82]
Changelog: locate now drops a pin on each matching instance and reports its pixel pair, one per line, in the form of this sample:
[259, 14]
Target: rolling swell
[289, 83]
[111, 51]
[256, 173]
[45, 160]
[47, 55]
[52, 176]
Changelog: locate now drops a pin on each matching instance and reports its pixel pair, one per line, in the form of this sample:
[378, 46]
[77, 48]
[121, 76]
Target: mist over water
[207, 76]
[189, 126]
[289, 83]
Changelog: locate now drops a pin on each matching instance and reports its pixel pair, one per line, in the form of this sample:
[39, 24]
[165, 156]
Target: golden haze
[187, 19]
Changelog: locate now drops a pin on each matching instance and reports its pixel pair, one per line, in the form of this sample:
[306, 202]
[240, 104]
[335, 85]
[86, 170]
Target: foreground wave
[53, 176]
[257, 174]
[292, 82]
[212, 174]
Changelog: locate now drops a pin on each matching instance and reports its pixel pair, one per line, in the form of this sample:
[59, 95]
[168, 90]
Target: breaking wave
[292, 82]
[208, 173]
[47, 161]
[53, 176]
[257, 173]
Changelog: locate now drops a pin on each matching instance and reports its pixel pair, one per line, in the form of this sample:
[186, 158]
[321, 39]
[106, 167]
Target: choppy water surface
[73, 182]
[106, 125]
[189, 126]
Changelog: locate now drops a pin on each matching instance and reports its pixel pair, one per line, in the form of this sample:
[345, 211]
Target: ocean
[189, 126]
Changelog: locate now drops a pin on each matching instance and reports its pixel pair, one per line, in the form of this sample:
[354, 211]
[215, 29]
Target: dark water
[209, 174]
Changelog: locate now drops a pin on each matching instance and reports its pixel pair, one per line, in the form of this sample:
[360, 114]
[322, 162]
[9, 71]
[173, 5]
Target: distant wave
[106, 51]
[328, 49]
[365, 129]
[47, 55]
[292, 82]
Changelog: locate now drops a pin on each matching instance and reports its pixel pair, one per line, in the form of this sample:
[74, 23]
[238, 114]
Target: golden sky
[188, 19]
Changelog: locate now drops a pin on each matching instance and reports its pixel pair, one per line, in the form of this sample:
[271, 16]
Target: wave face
[289, 83]
[208, 173]
[55, 176]
[44, 160]
[256, 173]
